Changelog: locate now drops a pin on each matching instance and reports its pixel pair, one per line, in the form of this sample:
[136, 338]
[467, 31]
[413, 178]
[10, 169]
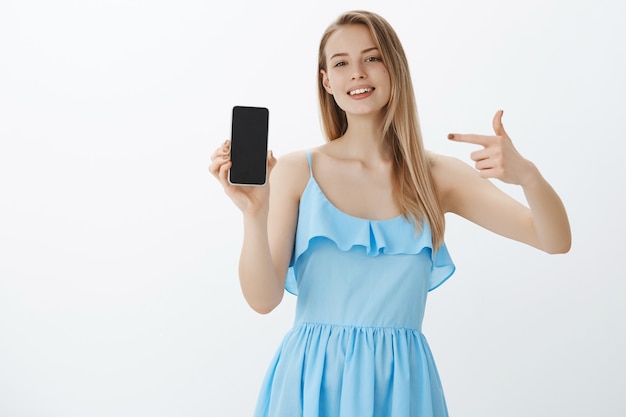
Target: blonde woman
[355, 228]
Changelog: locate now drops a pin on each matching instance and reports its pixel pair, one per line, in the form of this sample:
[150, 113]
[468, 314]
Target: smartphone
[248, 146]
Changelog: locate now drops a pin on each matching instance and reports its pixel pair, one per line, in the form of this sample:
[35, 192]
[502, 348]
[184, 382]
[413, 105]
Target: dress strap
[308, 157]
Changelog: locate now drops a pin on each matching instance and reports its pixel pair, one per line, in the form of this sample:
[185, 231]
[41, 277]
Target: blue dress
[356, 348]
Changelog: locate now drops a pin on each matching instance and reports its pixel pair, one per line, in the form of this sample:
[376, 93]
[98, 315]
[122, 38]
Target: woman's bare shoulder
[296, 160]
[291, 173]
[449, 173]
[444, 167]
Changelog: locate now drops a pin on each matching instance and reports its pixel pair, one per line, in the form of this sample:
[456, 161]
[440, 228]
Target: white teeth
[360, 91]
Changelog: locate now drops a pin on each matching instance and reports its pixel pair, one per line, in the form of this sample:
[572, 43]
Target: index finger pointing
[469, 138]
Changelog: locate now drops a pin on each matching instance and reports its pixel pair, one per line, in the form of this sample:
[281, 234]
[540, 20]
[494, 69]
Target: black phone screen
[248, 148]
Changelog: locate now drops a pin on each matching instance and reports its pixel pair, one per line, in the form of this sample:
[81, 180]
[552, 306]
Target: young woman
[355, 228]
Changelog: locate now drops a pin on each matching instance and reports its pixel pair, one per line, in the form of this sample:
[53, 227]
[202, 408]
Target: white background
[118, 251]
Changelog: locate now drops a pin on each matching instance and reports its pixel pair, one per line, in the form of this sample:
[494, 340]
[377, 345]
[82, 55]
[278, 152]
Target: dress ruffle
[377, 237]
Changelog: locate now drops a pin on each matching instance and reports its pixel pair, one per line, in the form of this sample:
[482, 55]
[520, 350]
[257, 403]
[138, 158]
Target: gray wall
[118, 250]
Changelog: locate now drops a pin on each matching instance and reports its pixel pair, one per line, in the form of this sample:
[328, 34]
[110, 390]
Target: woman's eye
[340, 64]
[373, 59]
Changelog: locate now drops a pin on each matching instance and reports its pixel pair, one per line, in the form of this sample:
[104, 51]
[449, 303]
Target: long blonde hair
[413, 187]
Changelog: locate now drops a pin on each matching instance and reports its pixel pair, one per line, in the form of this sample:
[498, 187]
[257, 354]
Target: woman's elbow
[263, 306]
[262, 309]
[560, 247]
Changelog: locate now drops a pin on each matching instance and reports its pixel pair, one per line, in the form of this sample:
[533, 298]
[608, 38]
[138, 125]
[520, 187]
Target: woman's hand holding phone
[250, 199]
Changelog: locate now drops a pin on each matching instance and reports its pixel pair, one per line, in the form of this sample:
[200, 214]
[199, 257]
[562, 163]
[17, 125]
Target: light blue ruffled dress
[356, 348]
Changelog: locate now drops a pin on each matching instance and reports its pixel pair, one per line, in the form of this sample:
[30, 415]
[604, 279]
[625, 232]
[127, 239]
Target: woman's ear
[326, 82]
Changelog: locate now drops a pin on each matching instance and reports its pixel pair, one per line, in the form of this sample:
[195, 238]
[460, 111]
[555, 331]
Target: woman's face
[356, 75]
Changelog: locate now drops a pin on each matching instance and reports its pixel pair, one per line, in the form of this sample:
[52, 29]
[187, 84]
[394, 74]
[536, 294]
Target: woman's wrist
[255, 215]
[531, 176]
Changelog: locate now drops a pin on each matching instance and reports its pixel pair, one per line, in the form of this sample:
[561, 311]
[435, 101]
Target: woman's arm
[269, 226]
[468, 193]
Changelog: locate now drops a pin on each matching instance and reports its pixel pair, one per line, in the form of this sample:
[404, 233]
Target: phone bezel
[233, 118]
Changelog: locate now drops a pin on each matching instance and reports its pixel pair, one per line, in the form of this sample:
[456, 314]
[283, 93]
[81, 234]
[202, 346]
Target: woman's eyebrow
[364, 51]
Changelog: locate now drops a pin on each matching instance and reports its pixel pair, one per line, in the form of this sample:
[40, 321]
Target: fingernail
[450, 136]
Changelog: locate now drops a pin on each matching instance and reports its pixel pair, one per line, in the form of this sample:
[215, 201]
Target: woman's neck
[364, 139]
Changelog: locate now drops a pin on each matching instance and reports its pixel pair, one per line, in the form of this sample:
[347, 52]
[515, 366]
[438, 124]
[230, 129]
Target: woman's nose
[358, 73]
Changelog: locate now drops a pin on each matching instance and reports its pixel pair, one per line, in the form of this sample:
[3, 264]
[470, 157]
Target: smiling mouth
[360, 91]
